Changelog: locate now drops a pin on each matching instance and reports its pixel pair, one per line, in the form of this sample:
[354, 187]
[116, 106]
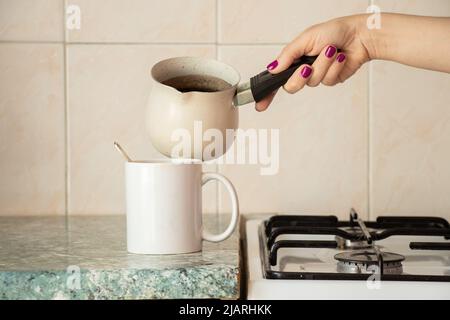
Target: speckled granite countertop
[86, 258]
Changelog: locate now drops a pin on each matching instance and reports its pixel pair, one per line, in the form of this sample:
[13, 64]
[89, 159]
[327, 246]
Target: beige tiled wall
[268, 21]
[410, 131]
[323, 145]
[144, 21]
[380, 142]
[32, 128]
[37, 20]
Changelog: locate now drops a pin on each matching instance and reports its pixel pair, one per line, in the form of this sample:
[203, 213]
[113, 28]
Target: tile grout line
[369, 135]
[216, 42]
[216, 209]
[66, 122]
[243, 44]
[31, 42]
[369, 138]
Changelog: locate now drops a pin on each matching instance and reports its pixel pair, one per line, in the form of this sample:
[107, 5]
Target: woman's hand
[416, 41]
[331, 67]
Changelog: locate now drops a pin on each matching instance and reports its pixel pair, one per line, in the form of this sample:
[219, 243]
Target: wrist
[368, 32]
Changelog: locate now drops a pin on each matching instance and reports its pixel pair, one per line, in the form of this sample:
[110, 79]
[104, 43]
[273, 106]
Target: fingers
[292, 51]
[298, 79]
[332, 76]
[264, 103]
[330, 73]
[326, 69]
[322, 64]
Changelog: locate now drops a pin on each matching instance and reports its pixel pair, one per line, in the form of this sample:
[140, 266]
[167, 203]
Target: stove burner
[353, 244]
[361, 261]
[358, 259]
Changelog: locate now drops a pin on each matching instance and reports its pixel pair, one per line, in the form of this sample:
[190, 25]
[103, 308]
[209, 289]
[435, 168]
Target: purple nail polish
[306, 71]
[272, 65]
[340, 58]
[331, 50]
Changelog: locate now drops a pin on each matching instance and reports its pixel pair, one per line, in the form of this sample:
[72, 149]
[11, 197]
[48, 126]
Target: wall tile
[323, 145]
[108, 89]
[266, 21]
[145, 21]
[410, 138]
[419, 7]
[410, 131]
[37, 20]
[31, 129]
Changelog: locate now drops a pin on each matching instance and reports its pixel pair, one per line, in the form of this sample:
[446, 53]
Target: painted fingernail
[272, 65]
[306, 71]
[331, 50]
[340, 57]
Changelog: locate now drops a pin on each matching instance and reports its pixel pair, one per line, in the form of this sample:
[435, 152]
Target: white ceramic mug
[164, 206]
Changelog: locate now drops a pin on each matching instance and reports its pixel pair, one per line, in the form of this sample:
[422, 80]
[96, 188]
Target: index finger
[265, 103]
[290, 52]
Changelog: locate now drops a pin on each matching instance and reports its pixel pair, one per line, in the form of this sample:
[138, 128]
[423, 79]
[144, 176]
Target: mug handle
[209, 176]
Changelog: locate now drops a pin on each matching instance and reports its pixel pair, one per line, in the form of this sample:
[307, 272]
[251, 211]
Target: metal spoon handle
[122, 152]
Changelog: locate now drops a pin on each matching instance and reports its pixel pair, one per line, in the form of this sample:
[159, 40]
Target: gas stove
[321, 257]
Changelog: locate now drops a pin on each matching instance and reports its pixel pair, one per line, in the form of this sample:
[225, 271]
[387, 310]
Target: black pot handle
[265, 82]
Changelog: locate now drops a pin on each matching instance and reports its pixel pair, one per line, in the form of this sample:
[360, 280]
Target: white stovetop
[260, 288]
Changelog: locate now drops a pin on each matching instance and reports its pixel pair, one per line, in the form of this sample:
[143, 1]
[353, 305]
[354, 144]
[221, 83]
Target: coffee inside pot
[200, 83]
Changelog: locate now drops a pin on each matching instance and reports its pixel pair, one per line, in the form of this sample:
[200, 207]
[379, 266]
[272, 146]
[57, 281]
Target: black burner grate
[368, 231]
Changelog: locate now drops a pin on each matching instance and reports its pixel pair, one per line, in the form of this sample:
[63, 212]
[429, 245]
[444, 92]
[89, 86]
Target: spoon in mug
[122, 152]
